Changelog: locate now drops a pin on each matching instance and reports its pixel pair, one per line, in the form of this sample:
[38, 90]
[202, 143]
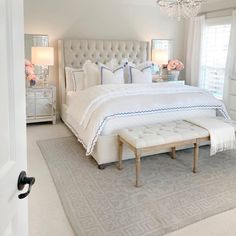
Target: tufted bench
[153, 138]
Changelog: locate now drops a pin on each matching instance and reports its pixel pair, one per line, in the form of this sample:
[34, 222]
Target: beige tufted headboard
[75, 52]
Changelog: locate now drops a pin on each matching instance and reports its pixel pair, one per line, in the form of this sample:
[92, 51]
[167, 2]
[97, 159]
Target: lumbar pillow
[109, 76]
[92, 74]
[74, 79]
[140, 76]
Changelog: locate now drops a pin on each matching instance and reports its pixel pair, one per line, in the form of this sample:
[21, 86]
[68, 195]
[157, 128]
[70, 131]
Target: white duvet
[94, 107]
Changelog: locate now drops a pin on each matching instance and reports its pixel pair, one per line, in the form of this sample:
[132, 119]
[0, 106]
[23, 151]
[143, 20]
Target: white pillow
[74, 79]
[109, 76]
[141, 76]
[112, 64]
[129, 64]
[127, 72]
[92, 74]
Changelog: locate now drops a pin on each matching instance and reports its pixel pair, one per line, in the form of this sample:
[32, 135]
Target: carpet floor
[105, 202]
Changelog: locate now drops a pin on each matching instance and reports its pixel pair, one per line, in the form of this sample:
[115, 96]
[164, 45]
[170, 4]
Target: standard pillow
[140, 76]
[92, 74]
[109, 76]
[74, 79]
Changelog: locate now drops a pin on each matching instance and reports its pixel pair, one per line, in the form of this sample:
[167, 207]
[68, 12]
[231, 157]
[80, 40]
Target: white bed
[104, 148]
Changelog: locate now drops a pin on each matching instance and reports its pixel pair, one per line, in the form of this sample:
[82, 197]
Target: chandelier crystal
[180, 8]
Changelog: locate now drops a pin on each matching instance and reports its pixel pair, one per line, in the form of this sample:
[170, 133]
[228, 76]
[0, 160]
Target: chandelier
[180, 8]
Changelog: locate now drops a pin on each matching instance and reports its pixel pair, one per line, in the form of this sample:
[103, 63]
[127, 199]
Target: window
[214, 55]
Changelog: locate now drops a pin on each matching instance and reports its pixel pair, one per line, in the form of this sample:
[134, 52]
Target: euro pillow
[112, 64]
[92, 74]
[128, 65]
[109, 76]
[140, 76]
[74, 79]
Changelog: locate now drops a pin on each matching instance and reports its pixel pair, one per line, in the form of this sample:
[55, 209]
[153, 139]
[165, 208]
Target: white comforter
[93, 107]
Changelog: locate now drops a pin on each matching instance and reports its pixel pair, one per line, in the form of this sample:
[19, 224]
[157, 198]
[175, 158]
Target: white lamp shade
[43, 56]
[160, 56]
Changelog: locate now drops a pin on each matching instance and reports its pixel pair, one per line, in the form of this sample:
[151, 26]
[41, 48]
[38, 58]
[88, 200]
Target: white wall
[101, 19]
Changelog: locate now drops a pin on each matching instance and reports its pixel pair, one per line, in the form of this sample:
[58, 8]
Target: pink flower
[28, 63]
[175, 65]
[29, 70]
[31, 77]
[180, 66]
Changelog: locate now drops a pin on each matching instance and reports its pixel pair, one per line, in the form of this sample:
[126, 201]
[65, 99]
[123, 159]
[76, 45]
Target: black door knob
[22, 181]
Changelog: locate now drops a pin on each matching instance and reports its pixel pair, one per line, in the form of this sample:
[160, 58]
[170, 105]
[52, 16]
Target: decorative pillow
[112, 64]
[74, 79]
[129, 64]
[140, 76]
[109, 76]
[92, 74]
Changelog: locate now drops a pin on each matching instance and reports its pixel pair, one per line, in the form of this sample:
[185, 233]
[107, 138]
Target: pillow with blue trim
[112, 76]
[131, 77]
[74, 79]
[141, 75]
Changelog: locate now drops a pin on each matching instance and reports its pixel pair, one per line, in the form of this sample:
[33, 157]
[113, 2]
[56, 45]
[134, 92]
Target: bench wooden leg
[120, 164]
[196, 153]
[138, 167]
[173, 153]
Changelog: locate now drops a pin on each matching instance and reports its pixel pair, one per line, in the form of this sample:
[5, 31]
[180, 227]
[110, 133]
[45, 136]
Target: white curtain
[230, 72]
[194, 45]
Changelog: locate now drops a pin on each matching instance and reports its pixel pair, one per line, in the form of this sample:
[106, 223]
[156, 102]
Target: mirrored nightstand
[41, 104]
[157, 79]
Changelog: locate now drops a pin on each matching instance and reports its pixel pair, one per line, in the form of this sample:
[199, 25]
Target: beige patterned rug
[106, 203]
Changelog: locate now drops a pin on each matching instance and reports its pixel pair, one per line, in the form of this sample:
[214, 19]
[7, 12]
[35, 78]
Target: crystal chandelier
[180, 8]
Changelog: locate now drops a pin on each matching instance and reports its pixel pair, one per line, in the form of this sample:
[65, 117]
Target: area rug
[106, 203]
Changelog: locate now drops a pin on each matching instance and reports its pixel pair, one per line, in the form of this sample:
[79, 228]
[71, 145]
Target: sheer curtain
[230, 73]
[193, 56]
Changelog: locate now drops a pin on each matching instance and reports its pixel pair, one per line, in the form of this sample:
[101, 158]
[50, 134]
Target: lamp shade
[160, 56]
[43, 56]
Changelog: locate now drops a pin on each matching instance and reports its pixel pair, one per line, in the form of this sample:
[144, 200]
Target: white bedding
[70, 97]
[94, 107]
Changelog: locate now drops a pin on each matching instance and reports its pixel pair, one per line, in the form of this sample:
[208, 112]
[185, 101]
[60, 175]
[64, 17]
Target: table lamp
[43, 56]
[160, 58]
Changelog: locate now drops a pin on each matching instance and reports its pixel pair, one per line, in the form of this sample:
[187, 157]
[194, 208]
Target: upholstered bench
[153, 138]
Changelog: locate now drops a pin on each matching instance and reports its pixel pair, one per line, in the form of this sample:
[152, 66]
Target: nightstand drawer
[44, 107]
[46, 93]
[30, 107]
[170, 81]
[30, 94]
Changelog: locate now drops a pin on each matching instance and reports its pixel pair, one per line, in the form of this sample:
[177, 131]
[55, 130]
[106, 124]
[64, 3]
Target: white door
[13, 211]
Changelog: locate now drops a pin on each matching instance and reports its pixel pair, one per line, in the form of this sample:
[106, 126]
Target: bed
[110, 108]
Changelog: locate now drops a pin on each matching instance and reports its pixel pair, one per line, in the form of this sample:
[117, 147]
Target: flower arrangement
[175, 65]
[29, 72]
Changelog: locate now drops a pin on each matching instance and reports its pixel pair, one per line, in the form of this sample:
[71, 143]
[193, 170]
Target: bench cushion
[162, 133]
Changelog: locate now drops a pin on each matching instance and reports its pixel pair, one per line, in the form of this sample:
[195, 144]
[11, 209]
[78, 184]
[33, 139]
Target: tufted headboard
[75, 52]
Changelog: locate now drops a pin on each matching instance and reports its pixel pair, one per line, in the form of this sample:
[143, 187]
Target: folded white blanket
[222, 134]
